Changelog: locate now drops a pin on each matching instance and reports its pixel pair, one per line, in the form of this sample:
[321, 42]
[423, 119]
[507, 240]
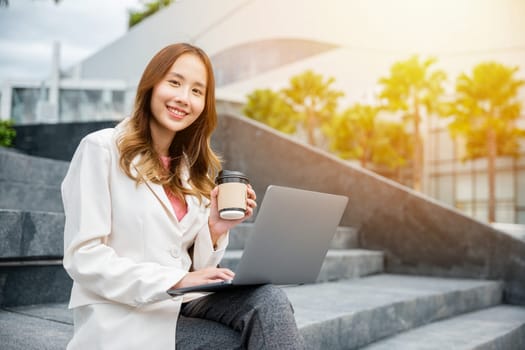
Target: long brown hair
[190, 149]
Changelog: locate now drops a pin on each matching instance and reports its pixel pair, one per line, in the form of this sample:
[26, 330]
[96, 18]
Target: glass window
[464, 187]
[481, 211]
[25, 103]
[521, 188]
[521, 217]
[504, 162]
[117, 99]
[79, 105]
[504, 185]
[446, 189]
[444, 167]
[480, 164]
[505, 212]
[463, 166]
[446, 146]
[481, 187]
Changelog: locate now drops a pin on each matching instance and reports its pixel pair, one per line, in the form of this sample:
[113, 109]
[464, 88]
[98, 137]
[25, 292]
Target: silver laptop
[292, 234]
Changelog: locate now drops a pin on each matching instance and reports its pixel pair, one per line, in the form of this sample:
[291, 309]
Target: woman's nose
[182, 96]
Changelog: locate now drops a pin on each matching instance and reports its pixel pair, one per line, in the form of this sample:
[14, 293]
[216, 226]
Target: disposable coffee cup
[232, 194]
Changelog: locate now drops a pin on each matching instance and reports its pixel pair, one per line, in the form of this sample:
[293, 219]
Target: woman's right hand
[207, 275]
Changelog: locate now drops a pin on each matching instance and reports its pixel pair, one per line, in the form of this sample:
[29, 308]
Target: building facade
[257, 44]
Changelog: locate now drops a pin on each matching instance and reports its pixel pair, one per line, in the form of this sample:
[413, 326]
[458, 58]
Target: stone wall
[419, 235]
[55, 141]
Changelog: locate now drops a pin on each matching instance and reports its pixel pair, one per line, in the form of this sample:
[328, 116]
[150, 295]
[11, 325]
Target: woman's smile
[177, 113]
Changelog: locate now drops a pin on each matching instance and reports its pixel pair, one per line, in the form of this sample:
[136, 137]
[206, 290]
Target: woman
[141, 217]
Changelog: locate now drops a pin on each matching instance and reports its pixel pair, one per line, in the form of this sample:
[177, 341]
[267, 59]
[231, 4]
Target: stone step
[344, 238]
[30, 197]
[19, 167]
[31, 235]
[30, 183]
[33, 282]
[351, 314]
[39, 235]
[338, 264]
[45, 281]
[337, 315]
[498, 327]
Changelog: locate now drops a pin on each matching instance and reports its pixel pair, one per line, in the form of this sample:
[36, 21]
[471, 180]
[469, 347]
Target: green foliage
[487, 101]
[485, 112]
[412, 85]
[269, 107]
[314, 101]
[7, 133]
[358, 133]
[135, 17]
[307, 104]
[414, 89]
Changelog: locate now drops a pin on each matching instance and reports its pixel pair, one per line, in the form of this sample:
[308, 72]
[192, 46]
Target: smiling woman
[141, 218]
[177, 100]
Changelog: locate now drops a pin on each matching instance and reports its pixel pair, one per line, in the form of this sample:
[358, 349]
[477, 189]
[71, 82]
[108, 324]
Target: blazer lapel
[159, 193]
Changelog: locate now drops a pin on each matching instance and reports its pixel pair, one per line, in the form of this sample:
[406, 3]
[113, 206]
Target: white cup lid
[231, 214]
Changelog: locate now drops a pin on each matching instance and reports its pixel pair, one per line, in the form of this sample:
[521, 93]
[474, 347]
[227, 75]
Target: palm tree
[269, 107]
[358, 133]
[485, 112]
[313, 100]
[414, 89]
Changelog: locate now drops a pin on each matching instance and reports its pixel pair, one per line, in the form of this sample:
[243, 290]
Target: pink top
[179, 207]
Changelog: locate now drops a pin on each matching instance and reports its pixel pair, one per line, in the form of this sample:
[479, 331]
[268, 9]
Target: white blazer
[123, 248]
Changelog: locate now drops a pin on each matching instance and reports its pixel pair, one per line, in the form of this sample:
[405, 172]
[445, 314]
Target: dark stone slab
[43, 235]
[23, 168]
[28, 196]
[31, 235]
[55, 141]
[30, 183]
[32, 283]
[11, 233]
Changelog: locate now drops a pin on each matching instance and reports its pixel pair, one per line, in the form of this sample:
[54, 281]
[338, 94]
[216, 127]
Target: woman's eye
[198, 92]
[174, 82]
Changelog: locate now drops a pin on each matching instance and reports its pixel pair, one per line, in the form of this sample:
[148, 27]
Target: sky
[28, 29]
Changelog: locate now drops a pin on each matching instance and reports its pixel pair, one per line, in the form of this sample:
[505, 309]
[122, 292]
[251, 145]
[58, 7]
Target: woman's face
[179, 98]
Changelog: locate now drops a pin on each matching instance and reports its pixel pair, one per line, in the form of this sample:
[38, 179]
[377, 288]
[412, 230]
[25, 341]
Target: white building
[262, 43]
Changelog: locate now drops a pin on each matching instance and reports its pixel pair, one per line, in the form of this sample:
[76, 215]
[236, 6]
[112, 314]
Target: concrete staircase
[356, 304]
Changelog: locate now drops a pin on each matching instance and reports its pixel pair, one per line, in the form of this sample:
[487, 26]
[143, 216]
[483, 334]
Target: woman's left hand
[218, 226]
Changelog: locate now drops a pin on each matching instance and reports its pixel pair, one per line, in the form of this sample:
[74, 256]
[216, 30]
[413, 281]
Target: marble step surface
[347, 314]
[498, 327]
[351, 314]
[30, 183]
[338, 263]
[45, 281]
[39, 235]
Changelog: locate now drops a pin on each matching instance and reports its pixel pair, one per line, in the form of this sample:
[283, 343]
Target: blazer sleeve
[87, 258]
[204, 253]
